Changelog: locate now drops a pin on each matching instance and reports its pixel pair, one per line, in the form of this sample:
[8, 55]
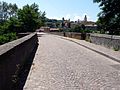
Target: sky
[69, 9]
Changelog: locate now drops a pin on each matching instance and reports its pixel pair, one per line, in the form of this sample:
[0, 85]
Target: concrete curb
[102, 53]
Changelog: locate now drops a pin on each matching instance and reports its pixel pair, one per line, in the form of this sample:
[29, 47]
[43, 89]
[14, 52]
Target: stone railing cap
[106, 36]
[6, 47]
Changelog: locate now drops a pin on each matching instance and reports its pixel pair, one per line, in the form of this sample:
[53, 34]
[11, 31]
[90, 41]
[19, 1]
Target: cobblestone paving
[63, 65]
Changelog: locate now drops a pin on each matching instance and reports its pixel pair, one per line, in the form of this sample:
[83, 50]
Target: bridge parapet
[109, 41]
[15, 60]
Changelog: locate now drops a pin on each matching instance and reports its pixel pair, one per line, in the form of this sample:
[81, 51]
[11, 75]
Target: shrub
[7, 38]
[117, 48]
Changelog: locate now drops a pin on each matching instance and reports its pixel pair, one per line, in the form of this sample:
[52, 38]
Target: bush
[77, 28]
[7, 38]
[117, 48]
[88, 31]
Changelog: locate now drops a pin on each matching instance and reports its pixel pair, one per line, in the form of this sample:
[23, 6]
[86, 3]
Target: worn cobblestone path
[63, 65]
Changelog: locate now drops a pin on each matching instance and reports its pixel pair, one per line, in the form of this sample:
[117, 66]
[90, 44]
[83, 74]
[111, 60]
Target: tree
[12, 10]
[14, 20]
[43, 18]
[83, 26]
[7, 11]
[3, 11]
[109, 17]
[77, 28]
[31, 18]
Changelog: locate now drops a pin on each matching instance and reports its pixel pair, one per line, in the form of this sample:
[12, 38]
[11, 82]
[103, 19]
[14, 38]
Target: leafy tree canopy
[7, 11]
[31, 18]
[109, 17]
[14, 20]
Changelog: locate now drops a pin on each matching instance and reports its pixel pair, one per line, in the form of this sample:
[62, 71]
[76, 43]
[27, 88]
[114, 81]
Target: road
[64, 65]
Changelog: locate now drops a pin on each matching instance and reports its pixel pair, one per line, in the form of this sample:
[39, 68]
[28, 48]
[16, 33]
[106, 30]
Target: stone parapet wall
[13, 58]
[57, 33]
[109, 41]
[70, 34]
[73, 35]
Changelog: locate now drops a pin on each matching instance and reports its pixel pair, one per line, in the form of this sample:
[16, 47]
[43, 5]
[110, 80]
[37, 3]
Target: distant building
[44, 29]
[90, 25]
[85, 18]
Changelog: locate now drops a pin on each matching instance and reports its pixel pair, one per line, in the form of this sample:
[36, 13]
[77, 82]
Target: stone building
[90, 25]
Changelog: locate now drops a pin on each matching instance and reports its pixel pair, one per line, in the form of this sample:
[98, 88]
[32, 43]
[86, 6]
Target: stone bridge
[60, 63]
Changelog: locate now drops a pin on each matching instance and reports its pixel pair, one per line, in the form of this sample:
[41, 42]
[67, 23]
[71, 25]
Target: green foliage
[53, 23]
[14, 20]
[83, 27]
[77, 28]
[117, 48]
[7, 37]
[7, 11]
[8, 22]
[11, 25]
[50, 24]
[80, 29]
[109, 17]
[88, 40]
[31, 18]
[88, 31]
[42, 18]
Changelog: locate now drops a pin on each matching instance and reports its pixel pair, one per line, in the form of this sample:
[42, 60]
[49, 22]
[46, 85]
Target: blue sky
[73, 9]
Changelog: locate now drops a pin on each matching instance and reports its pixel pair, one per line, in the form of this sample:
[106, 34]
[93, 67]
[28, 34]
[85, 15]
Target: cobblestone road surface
[63, 65]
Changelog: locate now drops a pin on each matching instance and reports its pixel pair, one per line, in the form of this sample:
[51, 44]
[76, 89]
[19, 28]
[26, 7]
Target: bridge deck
[63, 65]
